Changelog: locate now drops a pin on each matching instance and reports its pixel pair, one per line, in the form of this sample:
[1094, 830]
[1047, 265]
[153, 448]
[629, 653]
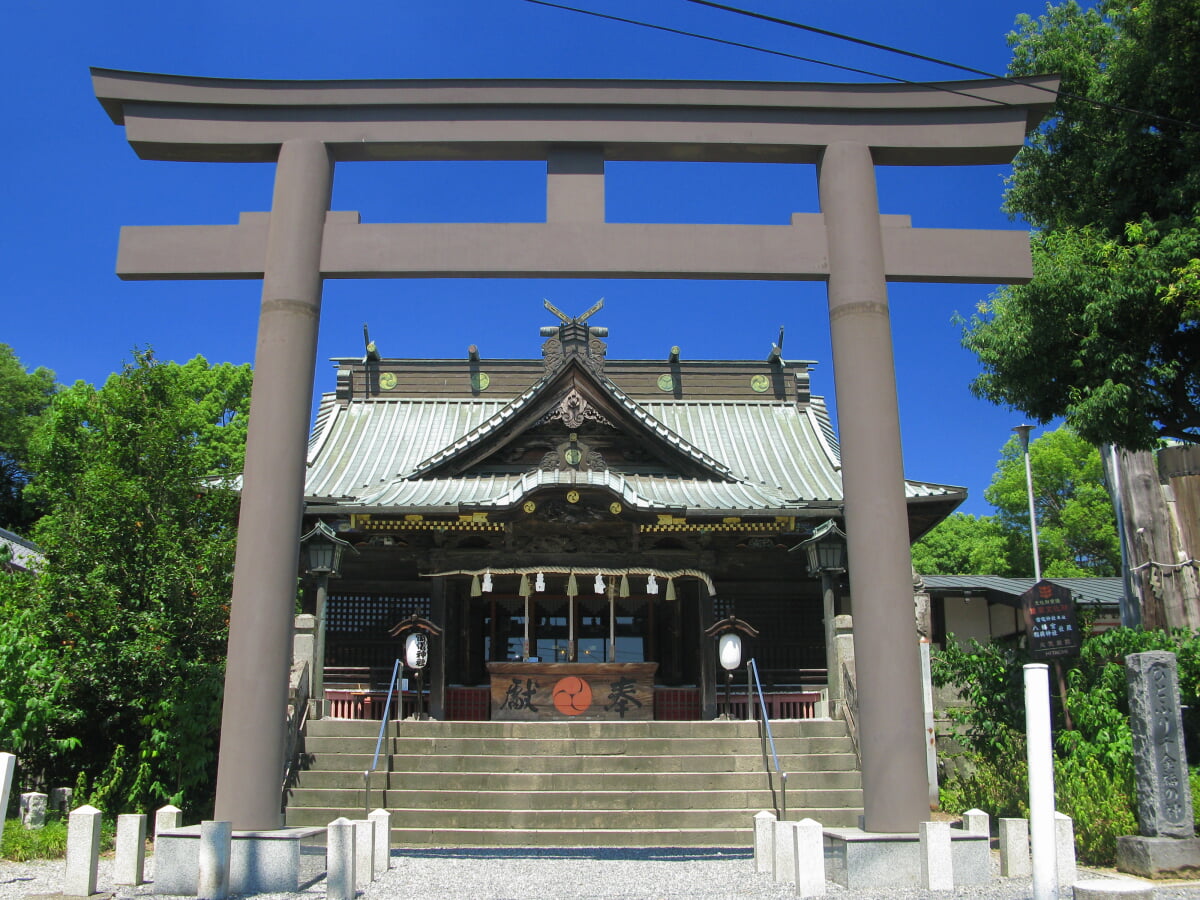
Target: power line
[729, 43]
[1101, 104]
[861, 41]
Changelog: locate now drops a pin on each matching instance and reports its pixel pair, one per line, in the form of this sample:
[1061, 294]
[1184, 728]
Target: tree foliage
[133, 601]
[1107, 335]
[963, 544]
[1077, 532]
[23, 397]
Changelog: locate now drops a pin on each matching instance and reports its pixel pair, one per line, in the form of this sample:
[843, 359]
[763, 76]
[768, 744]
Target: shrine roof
[367, 455]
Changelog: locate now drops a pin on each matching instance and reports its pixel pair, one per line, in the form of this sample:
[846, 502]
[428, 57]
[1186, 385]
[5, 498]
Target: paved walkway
[507, 873]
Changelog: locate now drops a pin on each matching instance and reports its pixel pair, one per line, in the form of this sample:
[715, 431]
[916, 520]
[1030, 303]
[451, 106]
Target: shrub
[49, 842]
[1094, 769]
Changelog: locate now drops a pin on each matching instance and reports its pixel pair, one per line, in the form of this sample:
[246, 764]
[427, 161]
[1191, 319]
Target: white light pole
[1023, 433]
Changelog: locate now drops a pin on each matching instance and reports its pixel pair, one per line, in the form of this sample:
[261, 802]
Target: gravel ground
[566, 874]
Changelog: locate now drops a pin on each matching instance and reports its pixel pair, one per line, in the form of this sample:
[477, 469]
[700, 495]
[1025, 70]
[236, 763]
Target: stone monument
[1167, 843]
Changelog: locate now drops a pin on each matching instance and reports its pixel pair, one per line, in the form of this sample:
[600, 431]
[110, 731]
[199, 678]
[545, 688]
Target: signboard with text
[1050, 621]
[539, 691]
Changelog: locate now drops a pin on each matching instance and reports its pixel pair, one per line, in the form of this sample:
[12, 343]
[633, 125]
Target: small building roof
[1087, 591]
[23, 555]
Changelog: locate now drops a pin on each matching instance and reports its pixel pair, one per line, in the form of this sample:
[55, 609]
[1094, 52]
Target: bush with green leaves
[1093, 765]
[48, 842]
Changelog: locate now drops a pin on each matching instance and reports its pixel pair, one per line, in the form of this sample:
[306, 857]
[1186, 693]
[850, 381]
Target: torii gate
[307, 126]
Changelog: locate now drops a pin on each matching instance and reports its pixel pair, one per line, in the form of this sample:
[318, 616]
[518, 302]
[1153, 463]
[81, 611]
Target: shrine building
[572, 526]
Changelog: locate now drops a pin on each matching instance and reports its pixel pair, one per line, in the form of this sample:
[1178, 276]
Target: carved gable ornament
[573, 411]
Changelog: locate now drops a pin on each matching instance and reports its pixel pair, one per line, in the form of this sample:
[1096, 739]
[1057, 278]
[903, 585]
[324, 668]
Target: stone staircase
[616, 784]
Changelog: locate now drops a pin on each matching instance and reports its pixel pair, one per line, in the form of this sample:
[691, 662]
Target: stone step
[701, 729]
[606, 747]
[550, 781]
[610, 802]
[793, 766]
[603, 819]
[848, 779]
[502, 765]
[574, 783]
[739, 835]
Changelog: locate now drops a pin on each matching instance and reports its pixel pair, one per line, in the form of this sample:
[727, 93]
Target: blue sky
[72, 182]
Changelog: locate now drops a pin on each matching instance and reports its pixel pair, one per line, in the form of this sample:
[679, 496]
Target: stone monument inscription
[1164, 799]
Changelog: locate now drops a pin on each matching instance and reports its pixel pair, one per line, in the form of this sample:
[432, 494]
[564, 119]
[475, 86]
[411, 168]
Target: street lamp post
[1023, 433]
[323, 549]
[826, 551]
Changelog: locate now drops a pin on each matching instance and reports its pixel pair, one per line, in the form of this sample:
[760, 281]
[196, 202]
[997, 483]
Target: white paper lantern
[416, 650]
[729, 651]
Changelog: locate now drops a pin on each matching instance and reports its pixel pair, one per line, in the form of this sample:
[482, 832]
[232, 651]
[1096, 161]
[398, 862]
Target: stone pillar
[264, 587]
[383, 840]
[833, 669]
[33, 810]
[83, 852]
[130, 864]
[8, 764]
[810, 858]
[976, 821]
[304, 642]
[764, 842]
[1064, 849]
[888, 666]
[937, 872]
[339, 861]
[364, 852]
[785, 851]
[318, 666]
[166, 818]
[216, 845]
[62, 799]
[1014, 848]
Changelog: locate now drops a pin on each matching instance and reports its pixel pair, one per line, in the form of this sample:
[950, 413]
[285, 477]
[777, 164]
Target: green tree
[1077, 531]
[23, 397]
[1107, 334]
[963, 544]
[139, 542]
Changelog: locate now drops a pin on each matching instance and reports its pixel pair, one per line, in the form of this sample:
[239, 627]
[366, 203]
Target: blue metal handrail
[387, 708]
[765, 718]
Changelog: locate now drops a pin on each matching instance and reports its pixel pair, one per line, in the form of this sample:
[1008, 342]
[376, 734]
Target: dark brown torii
[304, 127]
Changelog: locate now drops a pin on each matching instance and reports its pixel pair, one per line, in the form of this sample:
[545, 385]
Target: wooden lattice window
[356, 628]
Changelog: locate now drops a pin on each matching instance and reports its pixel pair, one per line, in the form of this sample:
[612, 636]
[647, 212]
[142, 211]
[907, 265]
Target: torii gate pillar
[873, 491]
[264, 584]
